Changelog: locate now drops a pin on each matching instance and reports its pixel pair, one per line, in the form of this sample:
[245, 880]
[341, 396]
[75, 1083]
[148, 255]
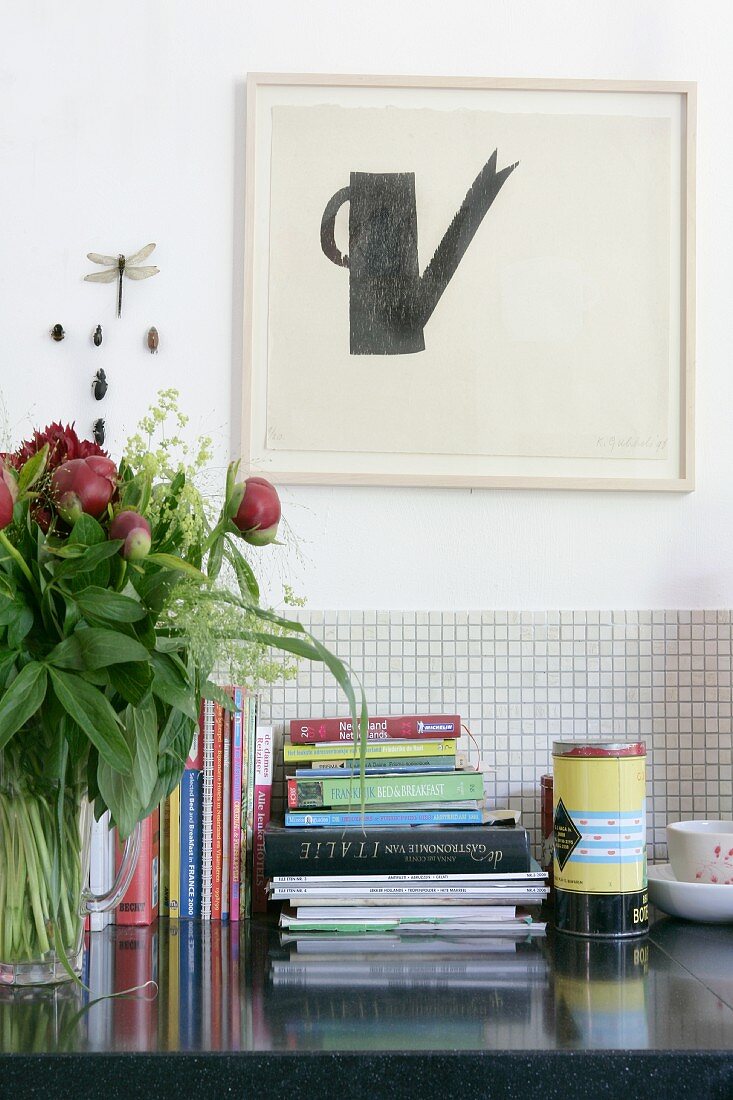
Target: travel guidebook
[379, 729]
[346, 791]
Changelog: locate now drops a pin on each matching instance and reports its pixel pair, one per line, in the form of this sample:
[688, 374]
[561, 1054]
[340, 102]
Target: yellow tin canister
[599, 828]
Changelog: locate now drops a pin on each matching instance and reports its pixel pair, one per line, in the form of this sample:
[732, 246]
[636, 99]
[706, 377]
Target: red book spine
[139, 906]
[305, 731]
[217, 835]
[262, 802]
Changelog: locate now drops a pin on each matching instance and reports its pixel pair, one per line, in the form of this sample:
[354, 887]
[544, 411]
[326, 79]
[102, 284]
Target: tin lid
[598, 748]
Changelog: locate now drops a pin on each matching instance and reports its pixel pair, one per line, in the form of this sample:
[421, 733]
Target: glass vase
[45, 840]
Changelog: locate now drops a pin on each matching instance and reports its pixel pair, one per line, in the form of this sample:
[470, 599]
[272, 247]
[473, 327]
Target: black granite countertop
[238, 1013]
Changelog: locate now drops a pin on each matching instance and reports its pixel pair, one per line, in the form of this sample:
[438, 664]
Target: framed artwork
[469, 282]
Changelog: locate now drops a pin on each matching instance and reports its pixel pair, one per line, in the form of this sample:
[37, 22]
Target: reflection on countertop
[248, 989]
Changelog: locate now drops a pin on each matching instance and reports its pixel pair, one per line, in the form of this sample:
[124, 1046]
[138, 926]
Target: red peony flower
[64, 445]
[135, 530]
[259, 511]
[8, 495]
[83, 485]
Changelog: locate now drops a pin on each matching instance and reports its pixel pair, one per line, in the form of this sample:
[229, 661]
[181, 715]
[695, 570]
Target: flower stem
[18, 559]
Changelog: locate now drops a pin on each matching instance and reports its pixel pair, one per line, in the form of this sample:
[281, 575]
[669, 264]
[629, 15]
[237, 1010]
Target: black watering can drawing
[389, 301]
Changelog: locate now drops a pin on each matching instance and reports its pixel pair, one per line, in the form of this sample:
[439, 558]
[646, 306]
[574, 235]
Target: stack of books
[413, 774]
[202, 853]
[215, 820]
[420, 857]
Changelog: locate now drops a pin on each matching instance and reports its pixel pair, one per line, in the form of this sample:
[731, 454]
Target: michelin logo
[435, 727]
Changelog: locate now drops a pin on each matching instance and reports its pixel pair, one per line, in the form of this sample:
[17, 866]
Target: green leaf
[19, 624]
[142, 729]
[135, 493]
[22, 699]
[49, 613]
[121, 796]
[91, 710]
[131, 681]
[155, 588]
[246, 579]
[67, 654]
[216, 557]
[87, 531]
[170, 561]
[32, 470]
[101, 648]
[102, 603]
[89, 560]
[7, 663]
[176, 736]
[212, 691]
[173, 688]
[297, 646]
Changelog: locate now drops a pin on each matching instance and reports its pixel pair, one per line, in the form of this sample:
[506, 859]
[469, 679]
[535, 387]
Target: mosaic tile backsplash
[520, 680]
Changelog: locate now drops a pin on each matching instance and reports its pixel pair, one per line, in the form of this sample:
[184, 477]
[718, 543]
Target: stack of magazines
[418, 881]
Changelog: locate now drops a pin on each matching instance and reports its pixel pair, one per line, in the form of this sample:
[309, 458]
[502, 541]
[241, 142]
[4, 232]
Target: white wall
[123, 123]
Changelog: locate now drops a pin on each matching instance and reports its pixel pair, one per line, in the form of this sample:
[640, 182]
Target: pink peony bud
[8, 495]
[135, 530]
[259, 511]
[83, 486]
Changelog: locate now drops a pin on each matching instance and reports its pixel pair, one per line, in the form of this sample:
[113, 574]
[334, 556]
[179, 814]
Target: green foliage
[104, 662]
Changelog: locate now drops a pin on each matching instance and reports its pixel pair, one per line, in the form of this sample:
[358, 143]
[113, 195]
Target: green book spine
[307, 794]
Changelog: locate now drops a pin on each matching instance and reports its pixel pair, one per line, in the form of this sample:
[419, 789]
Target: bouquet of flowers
[121, 590]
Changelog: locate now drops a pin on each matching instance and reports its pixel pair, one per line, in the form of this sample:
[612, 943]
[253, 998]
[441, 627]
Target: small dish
[700, 901]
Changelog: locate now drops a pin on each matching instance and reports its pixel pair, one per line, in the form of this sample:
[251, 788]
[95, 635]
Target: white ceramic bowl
[701, 851]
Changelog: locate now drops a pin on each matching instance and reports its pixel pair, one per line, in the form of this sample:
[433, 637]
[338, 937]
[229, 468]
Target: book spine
[191, 826]
[471, 893]
[520, 880]
[349, 818]
[404, 750]
[218, 813]
[306, 794]
[389, 767]
[418, 726]
[236, 811]
[174, 853]
[248, 812]
[139, 906]
[226, 817]
[262, 802]
[207, 813]
[441, 850]
[247, 747]
[164, 883]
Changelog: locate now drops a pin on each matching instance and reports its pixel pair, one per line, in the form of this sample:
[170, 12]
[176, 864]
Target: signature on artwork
[613, 443]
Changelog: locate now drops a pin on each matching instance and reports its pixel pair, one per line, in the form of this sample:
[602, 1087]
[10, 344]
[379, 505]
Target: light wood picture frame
[469, 282]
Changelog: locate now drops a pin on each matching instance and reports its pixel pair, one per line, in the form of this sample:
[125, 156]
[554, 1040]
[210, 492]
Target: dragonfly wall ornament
[121, 265]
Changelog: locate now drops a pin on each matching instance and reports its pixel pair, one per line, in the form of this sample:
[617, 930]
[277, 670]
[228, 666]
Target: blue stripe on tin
[613, 842]
[620, 858]
[609, 815]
